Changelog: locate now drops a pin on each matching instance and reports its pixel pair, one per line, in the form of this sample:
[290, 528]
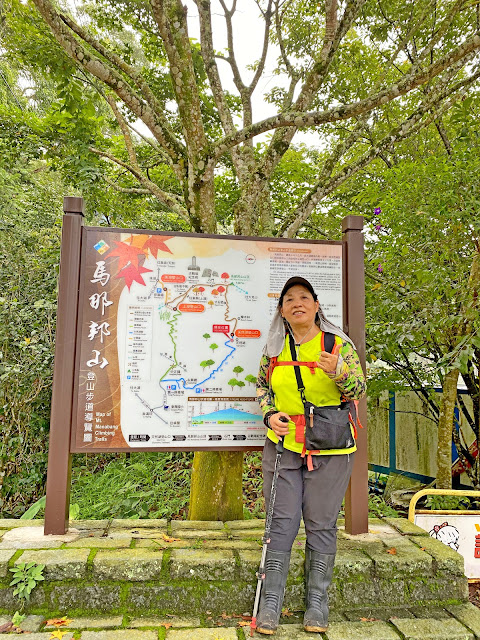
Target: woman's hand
[328, 361]
[279, 427]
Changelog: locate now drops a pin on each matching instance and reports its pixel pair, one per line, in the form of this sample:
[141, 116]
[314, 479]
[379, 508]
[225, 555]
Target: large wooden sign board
[159, 337]
[170, 332]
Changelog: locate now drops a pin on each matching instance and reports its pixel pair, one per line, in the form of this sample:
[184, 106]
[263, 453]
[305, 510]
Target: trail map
[172, 328]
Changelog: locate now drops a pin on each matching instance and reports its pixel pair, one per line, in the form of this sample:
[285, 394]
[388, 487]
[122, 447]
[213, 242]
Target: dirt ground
[474, 593]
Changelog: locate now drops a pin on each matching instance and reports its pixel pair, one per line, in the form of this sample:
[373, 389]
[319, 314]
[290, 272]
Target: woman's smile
[299, 308]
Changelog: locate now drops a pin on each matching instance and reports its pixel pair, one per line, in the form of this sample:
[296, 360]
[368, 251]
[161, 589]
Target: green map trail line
[227, 319]
[170, 333]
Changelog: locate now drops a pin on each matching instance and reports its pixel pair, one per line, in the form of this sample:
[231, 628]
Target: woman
[309, 483]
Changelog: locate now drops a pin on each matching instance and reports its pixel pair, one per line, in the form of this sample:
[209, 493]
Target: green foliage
[448, 503]
[378, 508]
[26, 576]
[153, 486]
[252, 482]
[30, 202]
[17, 619]
[34, 509]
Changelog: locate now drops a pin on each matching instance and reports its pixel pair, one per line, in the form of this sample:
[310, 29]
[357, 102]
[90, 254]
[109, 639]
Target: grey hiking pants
[318, 494]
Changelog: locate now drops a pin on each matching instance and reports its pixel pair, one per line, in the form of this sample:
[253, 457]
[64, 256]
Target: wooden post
[356, 498]
[59, 457]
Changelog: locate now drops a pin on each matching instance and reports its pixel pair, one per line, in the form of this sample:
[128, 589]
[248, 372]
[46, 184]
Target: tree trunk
[445, 426]
[216, 486]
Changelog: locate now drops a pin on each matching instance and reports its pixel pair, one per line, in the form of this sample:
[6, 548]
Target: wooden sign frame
[67, 357]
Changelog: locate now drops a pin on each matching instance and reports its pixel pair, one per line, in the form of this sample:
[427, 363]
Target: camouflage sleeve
[264, 392]
[349, 376]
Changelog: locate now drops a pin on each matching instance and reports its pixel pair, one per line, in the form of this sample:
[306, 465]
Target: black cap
[291, 282]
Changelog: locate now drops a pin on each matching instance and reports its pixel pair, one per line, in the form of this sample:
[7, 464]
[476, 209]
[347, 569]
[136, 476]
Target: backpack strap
[298, 375]
[328, 341]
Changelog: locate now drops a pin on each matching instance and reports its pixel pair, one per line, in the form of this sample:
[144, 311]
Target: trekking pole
[266, 537]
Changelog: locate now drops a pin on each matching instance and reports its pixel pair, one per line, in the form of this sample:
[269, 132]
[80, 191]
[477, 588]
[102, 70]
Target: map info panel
[171, 330]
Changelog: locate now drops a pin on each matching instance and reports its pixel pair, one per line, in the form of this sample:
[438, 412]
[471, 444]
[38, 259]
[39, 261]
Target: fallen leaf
[58, 622]
[423, 548]
[225, 617]
[392, 551]
[243, 623]
[286, 612]
[367, 619]
[57, 634]
[376, 286]
[169, 539]
[8, 626]
[167, 625]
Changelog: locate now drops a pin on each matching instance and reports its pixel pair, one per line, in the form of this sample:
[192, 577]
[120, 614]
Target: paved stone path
[456, 622]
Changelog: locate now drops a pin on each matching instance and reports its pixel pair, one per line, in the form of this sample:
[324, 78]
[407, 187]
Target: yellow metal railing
[440, 492]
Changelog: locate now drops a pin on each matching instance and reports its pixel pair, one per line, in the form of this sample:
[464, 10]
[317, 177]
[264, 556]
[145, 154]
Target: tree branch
[263, 57]
[165, 198]
[342, 112]
[208, 54]
[281, 44]
[171, 19]
[126, 133]
[110, 76]
[405, 129]
[126, 189]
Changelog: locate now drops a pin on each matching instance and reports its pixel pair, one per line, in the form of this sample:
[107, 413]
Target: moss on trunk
[216, 488]
[445, 426]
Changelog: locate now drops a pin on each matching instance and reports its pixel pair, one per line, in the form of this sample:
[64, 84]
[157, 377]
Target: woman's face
[298, 307]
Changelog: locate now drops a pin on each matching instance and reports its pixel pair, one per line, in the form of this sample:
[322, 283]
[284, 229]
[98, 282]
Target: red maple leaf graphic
[132, 273]
[126, 254]
[157, 243]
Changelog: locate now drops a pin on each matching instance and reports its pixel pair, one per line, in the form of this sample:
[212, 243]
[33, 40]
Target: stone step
[187, 568]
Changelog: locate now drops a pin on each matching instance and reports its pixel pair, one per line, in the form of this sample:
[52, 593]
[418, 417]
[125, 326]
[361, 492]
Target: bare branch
[117, 187]
[263, 57]
[206, 41]
[126, 133]
[237, 78]
[443, 135]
